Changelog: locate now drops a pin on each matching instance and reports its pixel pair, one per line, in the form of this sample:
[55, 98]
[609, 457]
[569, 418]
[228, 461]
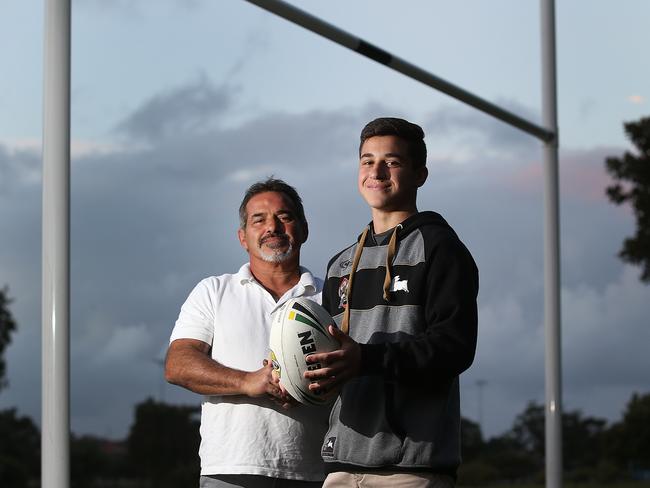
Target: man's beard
[275, 255]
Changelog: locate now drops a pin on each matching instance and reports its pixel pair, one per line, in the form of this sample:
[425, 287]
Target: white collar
[306, 278]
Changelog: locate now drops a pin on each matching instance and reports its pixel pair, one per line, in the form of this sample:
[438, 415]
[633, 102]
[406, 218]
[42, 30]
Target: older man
[220, 340]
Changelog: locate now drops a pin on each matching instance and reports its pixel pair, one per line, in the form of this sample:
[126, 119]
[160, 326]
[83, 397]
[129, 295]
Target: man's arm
[189, 365]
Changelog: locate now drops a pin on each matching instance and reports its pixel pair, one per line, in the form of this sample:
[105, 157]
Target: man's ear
[421, 176]
[241, 234]
[305, 231]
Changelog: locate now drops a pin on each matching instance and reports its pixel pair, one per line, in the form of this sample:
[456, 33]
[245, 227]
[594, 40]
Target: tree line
[593, 450]
[161, 449]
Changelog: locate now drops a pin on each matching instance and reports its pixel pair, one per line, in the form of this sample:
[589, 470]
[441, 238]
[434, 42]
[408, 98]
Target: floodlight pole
[55, 428]
[552, 315]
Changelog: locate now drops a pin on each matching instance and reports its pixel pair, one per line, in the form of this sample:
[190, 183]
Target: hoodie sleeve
[448, 345]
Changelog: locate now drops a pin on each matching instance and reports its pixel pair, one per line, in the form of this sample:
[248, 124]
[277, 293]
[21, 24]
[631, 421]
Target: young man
[221, 339]
[404, 297]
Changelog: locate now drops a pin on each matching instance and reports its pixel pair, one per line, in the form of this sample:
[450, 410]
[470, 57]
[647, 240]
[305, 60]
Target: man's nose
[276, 225]
[379, 170]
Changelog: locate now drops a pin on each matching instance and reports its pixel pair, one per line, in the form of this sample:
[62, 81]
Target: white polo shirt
[242, 435]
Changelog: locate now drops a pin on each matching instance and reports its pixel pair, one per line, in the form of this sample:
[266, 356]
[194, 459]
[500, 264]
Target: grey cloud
[18, 168]
[20, 269]
[482, 132]
[255, 45]
[587, 108]
[585, 209]
[180, 111]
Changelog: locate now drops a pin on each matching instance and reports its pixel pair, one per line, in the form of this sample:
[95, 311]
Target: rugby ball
[298, 329]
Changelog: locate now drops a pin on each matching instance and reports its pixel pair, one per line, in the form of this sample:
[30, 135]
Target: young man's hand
[336, 367]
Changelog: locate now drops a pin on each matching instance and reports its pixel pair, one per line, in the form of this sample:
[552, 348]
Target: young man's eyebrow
[387, 155]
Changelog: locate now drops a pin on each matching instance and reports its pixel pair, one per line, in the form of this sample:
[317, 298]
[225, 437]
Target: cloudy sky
[178, 106]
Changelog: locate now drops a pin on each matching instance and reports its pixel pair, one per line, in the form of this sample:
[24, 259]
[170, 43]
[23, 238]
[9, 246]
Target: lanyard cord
[345, 323]
[389, 262]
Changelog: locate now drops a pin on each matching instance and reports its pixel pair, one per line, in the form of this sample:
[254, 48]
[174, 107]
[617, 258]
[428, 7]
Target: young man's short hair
[274, 185]
[391, 126]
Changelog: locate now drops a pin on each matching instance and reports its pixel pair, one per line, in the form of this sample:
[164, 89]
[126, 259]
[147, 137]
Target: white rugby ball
[298, 329]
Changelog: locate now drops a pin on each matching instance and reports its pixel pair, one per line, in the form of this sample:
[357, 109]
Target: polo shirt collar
[307, 280]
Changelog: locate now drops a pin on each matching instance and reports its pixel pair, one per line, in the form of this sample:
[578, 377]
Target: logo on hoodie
[343, 292]
[399, 285]
[328, 447]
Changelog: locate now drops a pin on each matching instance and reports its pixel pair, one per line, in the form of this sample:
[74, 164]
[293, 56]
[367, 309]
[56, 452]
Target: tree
[471, 439]
[632, 175]
[629, 440]
[528, 431]
[96, 462]
[163, 444]
[513, 462]
[7, 326]
[513, 457]
[581, 463]
[20, 440]
[20, 448]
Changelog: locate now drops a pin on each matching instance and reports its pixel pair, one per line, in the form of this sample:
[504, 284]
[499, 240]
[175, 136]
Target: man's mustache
[266, 237]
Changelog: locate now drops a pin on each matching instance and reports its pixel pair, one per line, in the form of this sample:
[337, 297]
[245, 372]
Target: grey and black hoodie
[403, 411]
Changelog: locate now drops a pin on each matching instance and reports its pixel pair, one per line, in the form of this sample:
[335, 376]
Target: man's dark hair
[274, 185]
[391, 126]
